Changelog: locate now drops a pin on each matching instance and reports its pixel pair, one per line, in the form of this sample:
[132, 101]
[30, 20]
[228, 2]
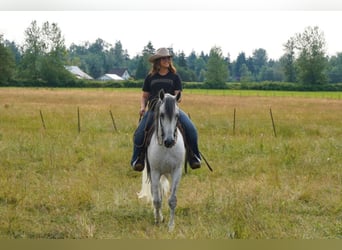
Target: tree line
[41, 61]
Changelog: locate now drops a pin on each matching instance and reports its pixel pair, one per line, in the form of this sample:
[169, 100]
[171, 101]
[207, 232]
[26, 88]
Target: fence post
[113, 121]
[42, 118]
[274, 130]
[234, 121]
[78, 120]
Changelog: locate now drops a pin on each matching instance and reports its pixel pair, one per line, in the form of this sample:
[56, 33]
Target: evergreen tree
[143, 63]
[259, 60]
[181, 63]
[245, 74]
[229, 65]
[149, 49]
[335, 68]
[271, 72]
[181, 60]
[7, 63]
[251, 68]
[143, 67]
[200, 68]
[15, 49]
[119, 56]
[288, 61]
[132, 65]
[191, 60]
[240, 60]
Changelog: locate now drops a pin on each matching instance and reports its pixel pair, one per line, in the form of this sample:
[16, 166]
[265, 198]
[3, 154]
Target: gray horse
[165, 157]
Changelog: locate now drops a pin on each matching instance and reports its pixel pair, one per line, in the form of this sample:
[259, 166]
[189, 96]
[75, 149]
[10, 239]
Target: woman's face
[165, 61]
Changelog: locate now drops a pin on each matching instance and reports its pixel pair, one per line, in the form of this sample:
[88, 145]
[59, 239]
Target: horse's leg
[156, 196]
[176, 176]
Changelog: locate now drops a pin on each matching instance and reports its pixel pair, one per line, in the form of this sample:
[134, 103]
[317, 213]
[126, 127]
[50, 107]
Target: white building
[78, 72]
[122, 72]
[110, 77]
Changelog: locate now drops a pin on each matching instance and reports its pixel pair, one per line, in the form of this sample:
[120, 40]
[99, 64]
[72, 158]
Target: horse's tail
[164, 186]
[145, 192]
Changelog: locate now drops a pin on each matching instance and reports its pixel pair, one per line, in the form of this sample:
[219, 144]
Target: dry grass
[57, 183]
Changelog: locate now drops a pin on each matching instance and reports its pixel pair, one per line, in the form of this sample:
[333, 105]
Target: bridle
[160, 126]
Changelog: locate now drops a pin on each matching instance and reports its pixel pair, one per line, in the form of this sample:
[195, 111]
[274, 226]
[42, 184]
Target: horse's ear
[179, 96]
[161, 94]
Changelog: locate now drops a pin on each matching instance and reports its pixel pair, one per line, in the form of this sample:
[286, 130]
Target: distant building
[110, 77]
[122, 72]
[78, 72]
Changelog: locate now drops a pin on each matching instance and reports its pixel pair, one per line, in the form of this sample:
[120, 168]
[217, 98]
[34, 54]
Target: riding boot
[138, 159]
[194, 158]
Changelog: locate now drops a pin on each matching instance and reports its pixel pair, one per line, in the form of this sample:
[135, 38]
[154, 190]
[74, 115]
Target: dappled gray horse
[165, 157]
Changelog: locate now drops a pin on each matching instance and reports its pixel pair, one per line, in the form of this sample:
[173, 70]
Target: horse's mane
[169, 107]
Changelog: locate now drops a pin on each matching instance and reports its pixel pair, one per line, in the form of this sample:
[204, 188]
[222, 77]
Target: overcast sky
[192, 25]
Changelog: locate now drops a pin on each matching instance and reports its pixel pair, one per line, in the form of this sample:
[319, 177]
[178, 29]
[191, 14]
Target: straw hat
[162, 52]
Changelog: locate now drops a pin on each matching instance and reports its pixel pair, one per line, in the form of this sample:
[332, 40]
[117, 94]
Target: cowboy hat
[162, 52]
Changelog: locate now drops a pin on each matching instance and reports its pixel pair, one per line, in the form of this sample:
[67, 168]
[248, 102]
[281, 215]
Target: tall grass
[58, 183]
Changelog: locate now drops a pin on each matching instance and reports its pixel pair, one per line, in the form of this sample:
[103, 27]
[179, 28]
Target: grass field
[57, 182]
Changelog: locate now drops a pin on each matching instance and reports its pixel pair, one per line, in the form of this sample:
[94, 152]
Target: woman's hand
[142, 111]
[143, 103]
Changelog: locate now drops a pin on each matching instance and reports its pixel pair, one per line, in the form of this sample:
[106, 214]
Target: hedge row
[285, 86]
[77, 83]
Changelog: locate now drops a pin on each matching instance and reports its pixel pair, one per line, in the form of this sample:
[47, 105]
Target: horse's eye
[162, 115]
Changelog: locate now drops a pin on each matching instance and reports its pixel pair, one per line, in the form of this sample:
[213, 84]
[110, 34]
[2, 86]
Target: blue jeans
[146, 123]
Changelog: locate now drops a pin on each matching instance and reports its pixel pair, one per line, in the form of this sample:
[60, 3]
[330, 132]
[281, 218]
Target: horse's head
[167, 114]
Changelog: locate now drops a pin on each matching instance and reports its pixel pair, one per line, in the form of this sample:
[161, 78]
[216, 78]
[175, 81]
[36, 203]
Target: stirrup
[138, 165]
[195, 162]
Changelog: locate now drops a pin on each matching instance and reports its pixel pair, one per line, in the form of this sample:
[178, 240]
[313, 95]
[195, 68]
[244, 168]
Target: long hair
[156, 67]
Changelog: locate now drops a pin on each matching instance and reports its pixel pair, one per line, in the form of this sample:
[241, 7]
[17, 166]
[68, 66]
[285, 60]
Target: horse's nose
[169, 142]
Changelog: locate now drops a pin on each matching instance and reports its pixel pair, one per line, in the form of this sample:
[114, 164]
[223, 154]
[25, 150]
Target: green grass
[58, 183]
[268, 93]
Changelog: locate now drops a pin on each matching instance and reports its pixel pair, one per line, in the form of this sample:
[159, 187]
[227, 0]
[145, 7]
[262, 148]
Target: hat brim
[155, 57]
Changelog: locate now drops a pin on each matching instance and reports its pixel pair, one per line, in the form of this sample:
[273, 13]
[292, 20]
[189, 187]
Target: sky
[242, 26]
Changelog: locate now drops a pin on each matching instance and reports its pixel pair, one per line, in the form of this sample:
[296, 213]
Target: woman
[162, 76]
